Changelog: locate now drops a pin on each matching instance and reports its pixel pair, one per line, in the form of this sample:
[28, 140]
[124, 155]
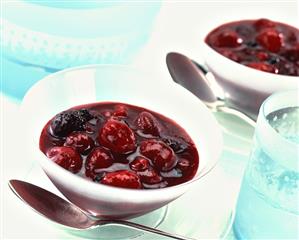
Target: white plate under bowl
[209, 216]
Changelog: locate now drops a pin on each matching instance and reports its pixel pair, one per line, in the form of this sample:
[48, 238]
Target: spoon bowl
[202, 84]
[184, 72]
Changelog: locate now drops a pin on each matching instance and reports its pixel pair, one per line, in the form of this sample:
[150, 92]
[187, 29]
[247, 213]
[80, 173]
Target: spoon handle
[237, 113]
[143, 228]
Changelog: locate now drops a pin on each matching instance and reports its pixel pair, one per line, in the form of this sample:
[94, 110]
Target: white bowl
[88, 84]
[246, 87]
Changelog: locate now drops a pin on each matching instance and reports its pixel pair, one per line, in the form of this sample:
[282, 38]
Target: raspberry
[117, 136]
[68, 121]
[161, 155]
[80, 141]
[66, 157]
[99, 158]
[148, 124]
[123, 179]
[270, 39]
[228, 38]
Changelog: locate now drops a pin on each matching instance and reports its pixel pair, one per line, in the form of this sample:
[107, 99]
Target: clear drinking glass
[268, 204]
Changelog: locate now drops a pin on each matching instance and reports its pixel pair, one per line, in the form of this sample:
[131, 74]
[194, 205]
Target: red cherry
[263, 23]
[161, 154]
[228, 38]
[99, 158]
[139, 164]
[122, 178]
[66, 157]
[148, 124]
[117, 136]
[80, 141]
[150, 176]
[263, 67]
[270, 39]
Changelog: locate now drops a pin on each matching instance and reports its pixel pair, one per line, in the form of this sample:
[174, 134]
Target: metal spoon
[65, 213]
[202, 84]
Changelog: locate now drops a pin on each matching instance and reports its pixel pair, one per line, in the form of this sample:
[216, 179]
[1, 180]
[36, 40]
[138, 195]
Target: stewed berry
[160, 153]
[66, 157]
[120, 145]
[263, 23]
[261, 44]
[69, 121]
[123, 179]
[228, 39]
[99, 158]
[82, 142]
[270, 39]
[148, 124]
[140, 164]
[117, 136]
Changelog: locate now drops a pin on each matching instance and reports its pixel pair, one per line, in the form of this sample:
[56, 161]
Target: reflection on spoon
[65, 213]
[202, 84]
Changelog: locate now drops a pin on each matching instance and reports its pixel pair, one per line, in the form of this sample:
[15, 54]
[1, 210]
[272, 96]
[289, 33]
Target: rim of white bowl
[95, 185]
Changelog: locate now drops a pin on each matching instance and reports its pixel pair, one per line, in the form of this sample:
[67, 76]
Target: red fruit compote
[120, 145]
[261, 44]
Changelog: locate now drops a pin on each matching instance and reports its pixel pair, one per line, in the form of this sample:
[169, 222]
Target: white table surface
[177, 28]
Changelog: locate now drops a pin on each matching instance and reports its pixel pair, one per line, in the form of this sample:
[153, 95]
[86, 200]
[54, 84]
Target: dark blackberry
[83, 114]
[177, 144]
[68, 121]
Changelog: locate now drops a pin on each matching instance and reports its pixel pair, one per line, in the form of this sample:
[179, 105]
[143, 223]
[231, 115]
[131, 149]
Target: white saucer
[203, 212]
